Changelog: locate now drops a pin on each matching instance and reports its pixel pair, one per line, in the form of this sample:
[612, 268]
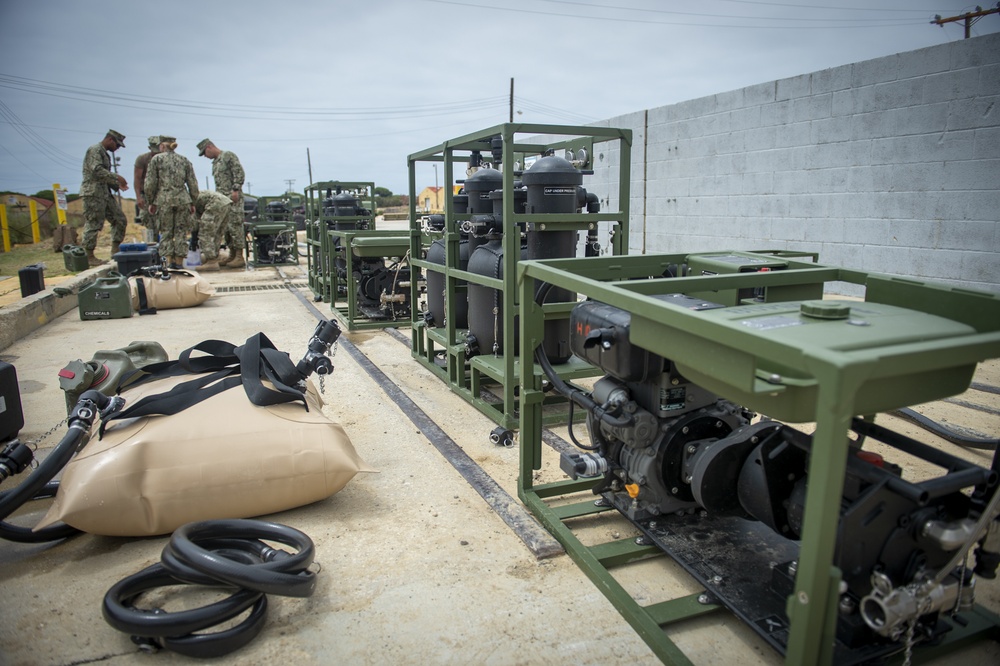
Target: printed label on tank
[559, 190]
[767, 323]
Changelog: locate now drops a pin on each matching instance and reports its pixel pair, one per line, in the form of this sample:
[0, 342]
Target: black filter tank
[486, 303]
[435, 281]
[553, 187]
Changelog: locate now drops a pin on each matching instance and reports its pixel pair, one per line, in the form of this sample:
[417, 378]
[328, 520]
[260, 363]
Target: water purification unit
[522, 196]
[819, 538]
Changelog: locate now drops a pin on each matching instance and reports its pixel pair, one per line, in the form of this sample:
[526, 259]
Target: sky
[351, 88]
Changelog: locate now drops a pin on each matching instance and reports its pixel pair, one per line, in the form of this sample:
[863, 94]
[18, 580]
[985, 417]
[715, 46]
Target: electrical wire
[618, 19]
[713, 15]
[238, 111]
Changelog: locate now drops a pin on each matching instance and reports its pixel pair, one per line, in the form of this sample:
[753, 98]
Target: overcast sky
[361, 85]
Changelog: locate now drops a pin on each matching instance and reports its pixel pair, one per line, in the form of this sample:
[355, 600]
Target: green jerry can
[106, 298]
[106, 370]
[75, 258]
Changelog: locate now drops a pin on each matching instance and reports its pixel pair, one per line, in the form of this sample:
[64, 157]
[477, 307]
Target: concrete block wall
[889, 165]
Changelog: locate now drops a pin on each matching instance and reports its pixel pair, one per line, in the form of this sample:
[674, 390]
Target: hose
[277, 572]
[214, 553]
[907, 414]
[39, 484]
[572, 393]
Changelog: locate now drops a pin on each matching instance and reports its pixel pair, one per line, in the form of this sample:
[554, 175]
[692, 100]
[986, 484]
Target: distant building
[431, 200]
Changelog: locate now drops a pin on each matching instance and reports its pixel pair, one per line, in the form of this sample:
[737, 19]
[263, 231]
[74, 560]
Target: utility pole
[248, 187]
[290, 183]
[969, 18]
[512, 99]
[310, 164]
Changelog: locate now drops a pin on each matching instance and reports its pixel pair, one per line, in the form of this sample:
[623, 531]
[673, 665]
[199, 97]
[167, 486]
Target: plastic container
[75, 258]
[107, 369]
[131, 261]
[106, 298]
[32, 279]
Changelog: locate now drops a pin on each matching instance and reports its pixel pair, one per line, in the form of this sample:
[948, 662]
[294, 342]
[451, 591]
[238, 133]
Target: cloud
[363, 85]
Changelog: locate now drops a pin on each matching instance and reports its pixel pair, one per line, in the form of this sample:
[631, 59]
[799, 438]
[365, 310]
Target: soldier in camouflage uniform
[143, 216]
[97, 190]
[212, 210]
[229, 177]
[171, 190]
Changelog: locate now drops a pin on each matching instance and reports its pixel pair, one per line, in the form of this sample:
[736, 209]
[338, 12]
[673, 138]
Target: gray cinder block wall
[889, 165]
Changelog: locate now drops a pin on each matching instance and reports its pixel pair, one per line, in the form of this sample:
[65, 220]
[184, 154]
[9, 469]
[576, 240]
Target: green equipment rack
[320, 251]
[757, 353]
[490, 382]
[271, 236]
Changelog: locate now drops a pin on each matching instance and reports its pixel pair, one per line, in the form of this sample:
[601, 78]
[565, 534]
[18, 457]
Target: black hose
[226, 553]
[277, 572]
[39, 484]
[907, 414]
[574, 394]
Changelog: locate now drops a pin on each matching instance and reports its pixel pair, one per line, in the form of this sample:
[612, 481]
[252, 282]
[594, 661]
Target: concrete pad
[416, 567]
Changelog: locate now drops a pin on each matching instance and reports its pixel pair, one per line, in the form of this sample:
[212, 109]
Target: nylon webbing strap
[221, 368]
[140, 288]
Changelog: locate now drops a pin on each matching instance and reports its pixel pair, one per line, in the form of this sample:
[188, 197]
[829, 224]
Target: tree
[383, 192]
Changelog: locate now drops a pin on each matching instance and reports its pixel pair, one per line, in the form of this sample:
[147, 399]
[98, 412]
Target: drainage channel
[538, 540]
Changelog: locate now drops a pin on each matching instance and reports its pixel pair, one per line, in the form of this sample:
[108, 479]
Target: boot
[229, 257]
[236, 260]
[115, 247]
[94, 261]
[176, 263]
[209, 266]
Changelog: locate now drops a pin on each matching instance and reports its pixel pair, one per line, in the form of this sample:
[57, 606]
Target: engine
[662, 447]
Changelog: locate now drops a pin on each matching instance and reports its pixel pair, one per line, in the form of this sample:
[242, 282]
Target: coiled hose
[215, 553]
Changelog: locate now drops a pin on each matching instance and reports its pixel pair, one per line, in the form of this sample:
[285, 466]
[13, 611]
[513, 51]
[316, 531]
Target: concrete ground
[416, 567]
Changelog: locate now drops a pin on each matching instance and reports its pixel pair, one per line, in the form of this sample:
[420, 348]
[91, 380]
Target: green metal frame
[831, 386]
[468, 377]
[355, 244]
[267, 225]
[319, 245]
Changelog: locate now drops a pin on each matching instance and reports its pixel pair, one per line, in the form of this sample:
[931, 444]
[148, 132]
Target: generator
[271, 237]
[363, 272]
[813, 538]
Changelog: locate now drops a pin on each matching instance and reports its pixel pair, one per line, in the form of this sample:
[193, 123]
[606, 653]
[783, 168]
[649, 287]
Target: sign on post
[61, 205]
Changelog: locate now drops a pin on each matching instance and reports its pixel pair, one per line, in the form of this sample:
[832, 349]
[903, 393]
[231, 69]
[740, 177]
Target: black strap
[140, 288]
[221, 368]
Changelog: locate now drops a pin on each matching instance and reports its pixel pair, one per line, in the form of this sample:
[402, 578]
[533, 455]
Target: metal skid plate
[736, 560]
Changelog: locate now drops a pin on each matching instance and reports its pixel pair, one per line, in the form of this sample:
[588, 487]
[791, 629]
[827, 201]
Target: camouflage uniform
[229, 177]
[212, 210]
[99, 202]
[142, 215]
[171, 185]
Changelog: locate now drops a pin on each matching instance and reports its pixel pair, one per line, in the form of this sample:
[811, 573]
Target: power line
[193, 107]
[970, 18]
[865, 23]
[717, 15]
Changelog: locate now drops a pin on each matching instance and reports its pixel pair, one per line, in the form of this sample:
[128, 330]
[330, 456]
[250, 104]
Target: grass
[25, 253]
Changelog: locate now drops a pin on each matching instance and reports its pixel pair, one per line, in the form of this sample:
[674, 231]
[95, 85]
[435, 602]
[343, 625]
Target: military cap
[155, 140]
[118, 137]
[167, 139]
[204, 143]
